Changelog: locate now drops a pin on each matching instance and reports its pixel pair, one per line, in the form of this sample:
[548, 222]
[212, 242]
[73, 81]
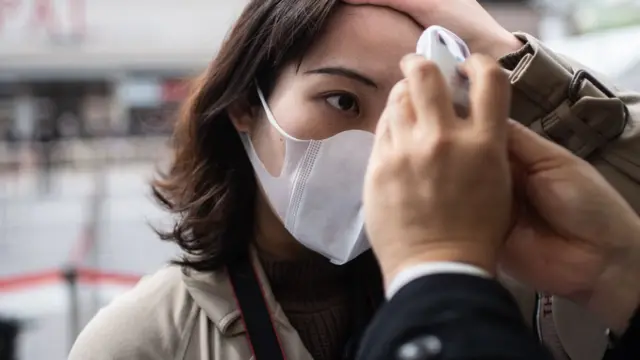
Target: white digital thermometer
[447, 50]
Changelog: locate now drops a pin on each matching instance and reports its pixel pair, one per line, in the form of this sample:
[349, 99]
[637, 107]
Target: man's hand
[466, 18]
[575, 236]
[438, 187]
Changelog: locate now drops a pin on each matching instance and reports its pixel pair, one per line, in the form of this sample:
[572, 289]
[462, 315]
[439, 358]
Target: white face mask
[318, 194]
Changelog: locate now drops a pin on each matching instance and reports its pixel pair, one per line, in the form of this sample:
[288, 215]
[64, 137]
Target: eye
[343, 102]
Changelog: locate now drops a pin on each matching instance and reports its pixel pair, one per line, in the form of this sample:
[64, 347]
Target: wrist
[505, 44]
[480, 258]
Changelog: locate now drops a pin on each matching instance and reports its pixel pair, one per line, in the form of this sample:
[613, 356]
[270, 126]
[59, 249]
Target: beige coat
[173, 316]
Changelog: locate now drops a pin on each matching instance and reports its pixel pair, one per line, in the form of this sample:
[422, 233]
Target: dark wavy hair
[210, 186]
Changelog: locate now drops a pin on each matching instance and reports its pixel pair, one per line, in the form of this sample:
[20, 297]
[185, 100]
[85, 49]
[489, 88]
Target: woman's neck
[291, 267]
[271, 237]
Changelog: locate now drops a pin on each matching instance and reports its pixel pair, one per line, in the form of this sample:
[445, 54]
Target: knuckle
[401, 162]
[441, 143]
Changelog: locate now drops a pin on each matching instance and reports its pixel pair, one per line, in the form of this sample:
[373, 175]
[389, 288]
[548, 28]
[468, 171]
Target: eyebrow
[345, 72]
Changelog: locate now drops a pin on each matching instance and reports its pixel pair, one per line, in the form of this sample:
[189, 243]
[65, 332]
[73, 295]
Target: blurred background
[88, 93]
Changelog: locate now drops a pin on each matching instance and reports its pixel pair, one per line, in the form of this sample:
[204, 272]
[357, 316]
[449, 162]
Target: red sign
[7, 9]
[65, 17]
[174, 91]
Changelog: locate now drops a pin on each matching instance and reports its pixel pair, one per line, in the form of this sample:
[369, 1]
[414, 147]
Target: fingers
[531, 149]
[489, 94]
[383, 133]
[397, 119]
[423, 100]
[394, 126]
[429, 92]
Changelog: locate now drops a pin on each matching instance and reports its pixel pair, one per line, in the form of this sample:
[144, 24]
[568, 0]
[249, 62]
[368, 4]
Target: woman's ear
[242, 115]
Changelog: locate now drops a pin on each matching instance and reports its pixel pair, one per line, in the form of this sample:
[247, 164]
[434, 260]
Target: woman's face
[342, 83]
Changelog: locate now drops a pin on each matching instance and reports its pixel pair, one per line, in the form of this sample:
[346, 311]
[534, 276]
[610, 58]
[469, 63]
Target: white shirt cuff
[417, 271]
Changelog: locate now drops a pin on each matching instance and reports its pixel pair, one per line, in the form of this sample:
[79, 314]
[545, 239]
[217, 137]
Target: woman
[291, 99]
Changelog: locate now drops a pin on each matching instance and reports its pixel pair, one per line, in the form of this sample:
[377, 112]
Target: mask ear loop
[307, 161]
[272, 119]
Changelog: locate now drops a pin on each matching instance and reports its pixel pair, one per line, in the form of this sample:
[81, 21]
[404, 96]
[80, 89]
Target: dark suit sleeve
[447, 317]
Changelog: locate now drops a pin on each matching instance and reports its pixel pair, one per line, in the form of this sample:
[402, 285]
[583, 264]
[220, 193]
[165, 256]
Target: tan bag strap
[587, 120]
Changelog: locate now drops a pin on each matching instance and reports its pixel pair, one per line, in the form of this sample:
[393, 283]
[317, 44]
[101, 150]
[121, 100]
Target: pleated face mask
[318, 194]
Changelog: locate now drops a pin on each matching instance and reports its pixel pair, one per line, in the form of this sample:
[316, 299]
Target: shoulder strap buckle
[574, 89]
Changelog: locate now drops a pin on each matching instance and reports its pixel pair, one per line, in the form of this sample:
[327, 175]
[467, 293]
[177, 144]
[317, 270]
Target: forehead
[369, 39]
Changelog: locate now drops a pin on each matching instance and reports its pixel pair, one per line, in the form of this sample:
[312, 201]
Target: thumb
[530, 148]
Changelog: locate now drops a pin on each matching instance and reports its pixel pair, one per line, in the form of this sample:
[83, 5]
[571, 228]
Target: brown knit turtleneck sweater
[320, 299]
